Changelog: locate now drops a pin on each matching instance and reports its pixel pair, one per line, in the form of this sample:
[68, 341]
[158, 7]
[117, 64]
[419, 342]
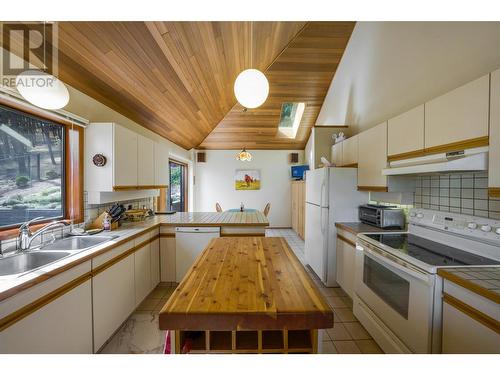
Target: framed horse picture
[247, 179]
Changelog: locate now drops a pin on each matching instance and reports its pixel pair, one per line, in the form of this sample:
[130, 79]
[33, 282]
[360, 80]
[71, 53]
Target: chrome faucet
[26, 237]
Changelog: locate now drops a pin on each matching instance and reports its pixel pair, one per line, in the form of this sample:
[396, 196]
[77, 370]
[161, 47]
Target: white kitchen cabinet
[125, 155]
[346, 254]
[494, 157]
[372, 158]
[405, 133]
[465, 316]
[459, 115]
[145, 161]
[155, 263]
[113, 296]
[161, 156]
[142, 266]
[337, 154]
[350, 152]
[167, 254]
[64, 325]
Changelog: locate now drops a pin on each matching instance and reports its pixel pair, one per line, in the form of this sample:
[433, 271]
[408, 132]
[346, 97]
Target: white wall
[215, 183]
[391, 67]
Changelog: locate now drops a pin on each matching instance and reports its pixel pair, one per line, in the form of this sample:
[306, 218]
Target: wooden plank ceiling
[176, 78]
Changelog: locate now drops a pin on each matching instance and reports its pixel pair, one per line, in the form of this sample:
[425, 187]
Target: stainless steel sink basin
[21, 263]
[76, 243]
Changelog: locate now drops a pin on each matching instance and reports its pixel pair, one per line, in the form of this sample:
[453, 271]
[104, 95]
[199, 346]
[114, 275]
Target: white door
[189, 243]
[142, 271]
[315, 244]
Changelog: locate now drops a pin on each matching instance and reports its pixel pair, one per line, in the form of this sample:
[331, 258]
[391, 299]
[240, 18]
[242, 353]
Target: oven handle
[392, 261]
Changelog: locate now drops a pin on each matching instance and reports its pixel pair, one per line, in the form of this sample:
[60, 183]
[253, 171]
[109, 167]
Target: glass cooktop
[430, 252]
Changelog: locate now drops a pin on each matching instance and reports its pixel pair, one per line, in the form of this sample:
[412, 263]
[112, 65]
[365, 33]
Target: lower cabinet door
[142, 273]
[167, 259]
[345, 266]
[61, 326]
[155, 263]
[113, 299]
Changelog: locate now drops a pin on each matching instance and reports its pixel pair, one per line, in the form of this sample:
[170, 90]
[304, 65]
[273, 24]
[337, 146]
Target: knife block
[97, 223]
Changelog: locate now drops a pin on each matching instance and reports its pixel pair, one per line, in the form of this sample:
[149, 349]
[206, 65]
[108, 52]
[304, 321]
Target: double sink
[21, 263]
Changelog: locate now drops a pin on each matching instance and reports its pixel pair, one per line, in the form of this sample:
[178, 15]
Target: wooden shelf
[220, 340]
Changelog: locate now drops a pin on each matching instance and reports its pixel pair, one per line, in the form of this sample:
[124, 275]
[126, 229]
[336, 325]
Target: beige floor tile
[346, 347]
[336, 301]
[334, 292]
[368, 347]
[149, 304]
[348, 301]
[357, 331]
[328, 348]
[323, 334]
[345, 314]
[338, 332]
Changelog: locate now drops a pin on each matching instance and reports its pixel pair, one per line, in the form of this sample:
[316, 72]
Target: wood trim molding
[331, 126]
[139, 187]
[352, 165]
[346, 240]
[346, 228]
[473, 313]
[486, 293]
[494, 192]
[459, 146]
[406, 155]
[30, 308]
[373, 188]
[242, 234]
[167, 235]
[125, 254]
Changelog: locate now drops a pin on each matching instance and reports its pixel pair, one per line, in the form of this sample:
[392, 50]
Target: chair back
[266, 209]
[218, 208]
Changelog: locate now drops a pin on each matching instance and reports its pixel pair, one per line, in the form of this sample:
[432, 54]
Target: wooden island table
[246, 295]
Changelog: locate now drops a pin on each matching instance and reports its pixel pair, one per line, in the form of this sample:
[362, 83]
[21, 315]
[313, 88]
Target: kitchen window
[177, 188]
[39, 169]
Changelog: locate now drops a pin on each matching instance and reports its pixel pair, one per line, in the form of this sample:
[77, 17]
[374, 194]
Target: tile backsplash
[90, 212]
[465, 193]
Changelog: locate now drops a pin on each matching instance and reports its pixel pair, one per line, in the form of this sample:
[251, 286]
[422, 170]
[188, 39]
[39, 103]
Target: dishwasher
[189, 243]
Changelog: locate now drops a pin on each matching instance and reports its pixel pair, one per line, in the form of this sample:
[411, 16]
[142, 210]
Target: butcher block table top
[256, 218]
[246, 283]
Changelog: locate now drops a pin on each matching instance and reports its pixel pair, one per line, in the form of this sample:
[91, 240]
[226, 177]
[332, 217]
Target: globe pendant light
[251, 87]
[42, 89]
[244, 155]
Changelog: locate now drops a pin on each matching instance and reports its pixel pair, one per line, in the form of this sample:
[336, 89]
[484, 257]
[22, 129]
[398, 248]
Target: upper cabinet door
[458, 116]
[337, 154]
[372, 158]
[145, 160]
[494, 157]
[405, 133]
[161, 164]
[350, 151]
[125, 153]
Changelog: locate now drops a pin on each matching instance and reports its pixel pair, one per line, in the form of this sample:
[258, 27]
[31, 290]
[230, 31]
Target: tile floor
[140, 333]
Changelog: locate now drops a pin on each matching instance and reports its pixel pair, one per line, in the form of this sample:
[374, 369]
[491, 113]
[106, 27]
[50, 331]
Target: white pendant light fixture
[244, 155]
[42, 89]
[251, 86]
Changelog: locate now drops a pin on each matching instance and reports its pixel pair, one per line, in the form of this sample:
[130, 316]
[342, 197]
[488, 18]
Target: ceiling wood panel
[174, 78]
[301, 73]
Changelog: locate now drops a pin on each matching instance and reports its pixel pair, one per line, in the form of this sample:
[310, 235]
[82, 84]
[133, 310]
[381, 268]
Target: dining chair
[266, 209]
[218, 208]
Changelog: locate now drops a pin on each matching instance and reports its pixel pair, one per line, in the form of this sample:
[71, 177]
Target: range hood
[474, 159]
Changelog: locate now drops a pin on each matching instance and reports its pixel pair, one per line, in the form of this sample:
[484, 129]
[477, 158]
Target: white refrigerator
[331, 196]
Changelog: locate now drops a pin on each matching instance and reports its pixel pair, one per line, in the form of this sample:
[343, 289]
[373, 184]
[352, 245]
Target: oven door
[399, 294]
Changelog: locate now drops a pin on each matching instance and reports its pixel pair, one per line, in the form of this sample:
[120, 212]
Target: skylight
[291, 114]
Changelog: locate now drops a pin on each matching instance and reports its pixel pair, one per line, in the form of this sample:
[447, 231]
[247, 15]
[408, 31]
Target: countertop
[252, 283]
[358, 227]
[484, 281]
[10, 286]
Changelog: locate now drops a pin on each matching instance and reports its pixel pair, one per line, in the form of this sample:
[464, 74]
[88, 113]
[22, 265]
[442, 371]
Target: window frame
[72, 173]
[185, 180]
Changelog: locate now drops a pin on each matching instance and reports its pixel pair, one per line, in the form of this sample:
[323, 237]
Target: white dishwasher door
[189, 243]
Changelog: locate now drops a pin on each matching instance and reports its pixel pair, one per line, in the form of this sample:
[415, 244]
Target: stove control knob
[497, 231]
[472, 225]
[486, 228]
[420, 215]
